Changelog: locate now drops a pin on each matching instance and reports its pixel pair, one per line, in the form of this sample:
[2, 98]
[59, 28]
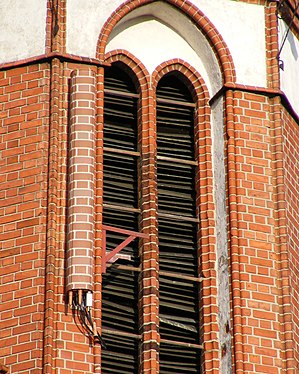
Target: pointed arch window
[177, 228]
[121, 210]
[180, 349]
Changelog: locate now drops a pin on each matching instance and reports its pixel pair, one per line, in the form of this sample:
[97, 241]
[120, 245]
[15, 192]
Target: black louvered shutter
[120, 283]
[179, 294]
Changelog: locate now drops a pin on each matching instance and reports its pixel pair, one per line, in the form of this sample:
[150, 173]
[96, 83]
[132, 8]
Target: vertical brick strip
[52, 218]
[207, 254]
[98, 212]
[272, 45]
[80, 237]
[283, 281]
[56, 26]
[234, 243]
[150, 284]
[290, 254]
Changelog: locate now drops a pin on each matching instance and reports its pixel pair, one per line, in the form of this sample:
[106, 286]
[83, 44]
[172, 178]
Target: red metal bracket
[113, 255]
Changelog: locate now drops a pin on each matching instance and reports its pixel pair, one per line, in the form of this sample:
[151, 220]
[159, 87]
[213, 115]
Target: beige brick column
[80, 237]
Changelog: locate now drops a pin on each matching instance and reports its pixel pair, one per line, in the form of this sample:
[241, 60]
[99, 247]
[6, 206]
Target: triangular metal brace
[113, 255]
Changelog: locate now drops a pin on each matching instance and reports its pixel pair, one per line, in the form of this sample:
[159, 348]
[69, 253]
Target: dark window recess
[120, 121]
[176, 190]
[179, 360]
[117, 79]
[120, 287]
[177, 246]
[178, 312]
[172, 88]
[179, 299]
[121, 355]
[120, 179]
[175, 135]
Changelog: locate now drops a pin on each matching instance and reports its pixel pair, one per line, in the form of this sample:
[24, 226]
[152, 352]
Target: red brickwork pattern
[291, 168]
[81, 182]
[67, 349]
[252, 227]
[272, 45]
[255, 264]
[24, 108]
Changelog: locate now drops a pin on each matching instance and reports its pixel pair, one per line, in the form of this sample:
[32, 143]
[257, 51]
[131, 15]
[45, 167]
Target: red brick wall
[254, 275]
[24, 110]
[255, 258]
[68, 348]
[37, 331]
[291, 172]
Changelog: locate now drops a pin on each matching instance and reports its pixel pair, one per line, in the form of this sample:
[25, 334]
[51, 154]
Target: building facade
[149, 184]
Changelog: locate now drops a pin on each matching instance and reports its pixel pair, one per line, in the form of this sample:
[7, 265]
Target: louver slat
[179, 360]
[120, 122]
[176, 192]
[120, 357]
[119, 294]
[177, 305]
[120, 183]
[175, 135]
[177, 246]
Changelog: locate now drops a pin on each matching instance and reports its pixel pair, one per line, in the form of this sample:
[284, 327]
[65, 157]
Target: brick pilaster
[81, 181]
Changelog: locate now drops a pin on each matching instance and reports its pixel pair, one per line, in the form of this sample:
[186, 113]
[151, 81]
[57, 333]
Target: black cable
[86, 320]
[101, 341]
[288, 30]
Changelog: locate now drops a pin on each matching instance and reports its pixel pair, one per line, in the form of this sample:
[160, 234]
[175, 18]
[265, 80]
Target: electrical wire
[288, 30]
[85, 318]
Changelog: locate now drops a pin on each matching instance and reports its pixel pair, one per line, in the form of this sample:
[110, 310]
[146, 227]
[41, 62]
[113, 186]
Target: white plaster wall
[147, 40]
[85, 19]
[241, 25]
[289, 77]
[146, 37]
[22, 29]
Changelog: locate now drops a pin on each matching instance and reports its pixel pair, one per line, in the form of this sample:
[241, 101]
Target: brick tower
[149, 184]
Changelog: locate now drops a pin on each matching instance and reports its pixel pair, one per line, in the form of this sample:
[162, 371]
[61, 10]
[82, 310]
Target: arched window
[179, 351]
[121, 210]
[177, 228]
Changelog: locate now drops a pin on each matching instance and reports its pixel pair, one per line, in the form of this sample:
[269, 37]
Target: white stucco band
[289, 56]
[22, 29]
[241, 25]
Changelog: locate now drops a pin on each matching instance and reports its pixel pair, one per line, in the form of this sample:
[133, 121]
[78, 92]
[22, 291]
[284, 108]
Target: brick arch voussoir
[130, 61]
[202, 22]
[199, 91]
[194, 80]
